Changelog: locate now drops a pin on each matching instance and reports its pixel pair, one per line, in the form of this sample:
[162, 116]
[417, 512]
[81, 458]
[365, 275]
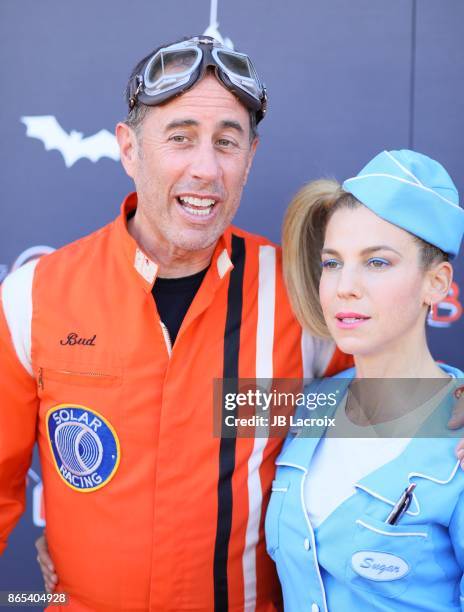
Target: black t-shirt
[173, 297]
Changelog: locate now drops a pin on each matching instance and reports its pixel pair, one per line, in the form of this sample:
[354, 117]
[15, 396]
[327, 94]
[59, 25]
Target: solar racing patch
[84, 445]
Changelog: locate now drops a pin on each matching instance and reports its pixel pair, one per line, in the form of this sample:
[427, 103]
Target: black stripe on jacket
[227, 445]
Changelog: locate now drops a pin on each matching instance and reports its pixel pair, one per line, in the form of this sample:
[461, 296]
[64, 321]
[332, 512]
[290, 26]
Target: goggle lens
[168, 68]
[238, 64]
[240, 71]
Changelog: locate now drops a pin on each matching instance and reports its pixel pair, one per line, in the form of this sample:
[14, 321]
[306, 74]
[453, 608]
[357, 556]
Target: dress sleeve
[456, 531]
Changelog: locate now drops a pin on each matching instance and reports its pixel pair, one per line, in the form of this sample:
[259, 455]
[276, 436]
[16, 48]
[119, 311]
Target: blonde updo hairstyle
[303, 236]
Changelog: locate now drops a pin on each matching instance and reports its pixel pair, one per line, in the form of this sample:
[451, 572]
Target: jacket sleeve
[18, 416]
[456, 531]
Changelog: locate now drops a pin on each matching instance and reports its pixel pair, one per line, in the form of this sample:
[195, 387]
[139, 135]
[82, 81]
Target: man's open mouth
[201, 207]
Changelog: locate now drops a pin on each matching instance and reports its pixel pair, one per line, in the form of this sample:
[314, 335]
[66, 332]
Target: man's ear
[128, 147]
[439, 279]
[253, 147]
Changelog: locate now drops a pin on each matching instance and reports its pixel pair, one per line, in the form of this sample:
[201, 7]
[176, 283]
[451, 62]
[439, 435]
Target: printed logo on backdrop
[72, 146]
[447, 312]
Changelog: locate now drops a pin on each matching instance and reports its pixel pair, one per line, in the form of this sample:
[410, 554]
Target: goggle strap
[133, 98]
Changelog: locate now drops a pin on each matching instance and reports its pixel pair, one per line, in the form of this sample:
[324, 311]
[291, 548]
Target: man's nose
[349, 283]
[205, 164]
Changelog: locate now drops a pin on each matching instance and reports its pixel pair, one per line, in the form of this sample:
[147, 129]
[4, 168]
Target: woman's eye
[378, 263]
[331, 264]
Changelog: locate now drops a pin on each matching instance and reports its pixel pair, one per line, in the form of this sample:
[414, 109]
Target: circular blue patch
[84, 445]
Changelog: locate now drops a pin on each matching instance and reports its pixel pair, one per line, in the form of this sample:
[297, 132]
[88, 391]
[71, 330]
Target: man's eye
[178, 138]
[378, 263]
[331, 264]
[225, 142]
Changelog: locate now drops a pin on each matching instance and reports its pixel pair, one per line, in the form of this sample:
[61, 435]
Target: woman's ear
[439, 279]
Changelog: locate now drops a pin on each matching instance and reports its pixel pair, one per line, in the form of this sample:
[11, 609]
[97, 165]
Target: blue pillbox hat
[413, 192]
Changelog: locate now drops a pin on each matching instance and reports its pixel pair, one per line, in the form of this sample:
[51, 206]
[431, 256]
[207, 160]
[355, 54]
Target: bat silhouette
[71, 146]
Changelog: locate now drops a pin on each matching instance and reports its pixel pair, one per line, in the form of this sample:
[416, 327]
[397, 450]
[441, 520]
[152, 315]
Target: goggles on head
[174, 69]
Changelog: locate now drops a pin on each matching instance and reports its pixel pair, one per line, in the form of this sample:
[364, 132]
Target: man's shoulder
[84, 249]
[253, 238]
[82, 256]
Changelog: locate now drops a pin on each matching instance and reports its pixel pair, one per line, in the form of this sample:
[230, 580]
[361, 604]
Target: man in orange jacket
[109, 348]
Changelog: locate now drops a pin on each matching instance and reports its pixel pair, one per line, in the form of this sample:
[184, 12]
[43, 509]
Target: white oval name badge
[379, 566]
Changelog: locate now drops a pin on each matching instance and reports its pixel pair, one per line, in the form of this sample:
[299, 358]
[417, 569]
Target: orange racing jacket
[146, 509]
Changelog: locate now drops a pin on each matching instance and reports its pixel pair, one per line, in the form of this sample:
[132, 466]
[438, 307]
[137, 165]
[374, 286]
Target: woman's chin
[353, 346]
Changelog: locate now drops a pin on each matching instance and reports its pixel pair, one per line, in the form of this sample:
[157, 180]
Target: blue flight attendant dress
[354, 561]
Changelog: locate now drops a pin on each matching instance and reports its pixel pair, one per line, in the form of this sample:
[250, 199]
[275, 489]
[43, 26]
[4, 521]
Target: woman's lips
[350, 320]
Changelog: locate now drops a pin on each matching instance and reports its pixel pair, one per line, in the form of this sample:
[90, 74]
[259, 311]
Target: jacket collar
[146, 270]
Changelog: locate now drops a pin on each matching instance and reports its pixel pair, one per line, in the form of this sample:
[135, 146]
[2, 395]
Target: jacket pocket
[90, 386]
[84, 376]
[274, 510]
[383, 558]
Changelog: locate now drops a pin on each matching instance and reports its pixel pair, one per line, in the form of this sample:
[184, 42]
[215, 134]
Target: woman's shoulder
[349, 373]
[451, 370]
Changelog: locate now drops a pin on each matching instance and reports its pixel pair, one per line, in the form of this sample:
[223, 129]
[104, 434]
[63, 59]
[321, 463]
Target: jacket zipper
[167, 337]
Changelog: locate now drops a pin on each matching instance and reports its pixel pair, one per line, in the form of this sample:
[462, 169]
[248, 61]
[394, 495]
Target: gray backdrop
[345, 80]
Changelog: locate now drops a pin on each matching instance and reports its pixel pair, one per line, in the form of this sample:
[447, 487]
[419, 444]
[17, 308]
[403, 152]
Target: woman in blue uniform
[369, 515]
